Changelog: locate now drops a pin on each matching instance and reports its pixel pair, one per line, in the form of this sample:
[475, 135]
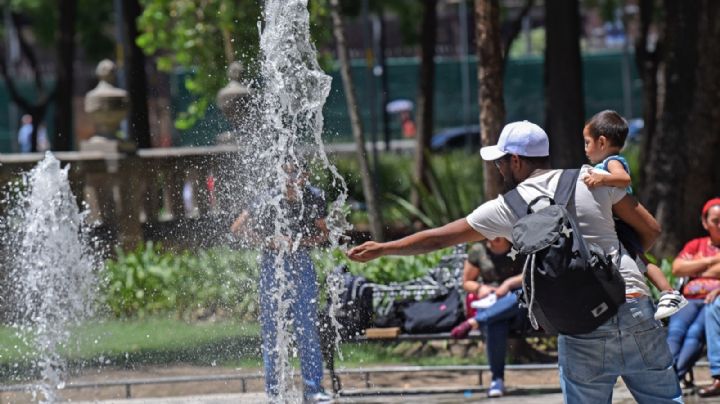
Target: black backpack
[569, 286]
[355, 303]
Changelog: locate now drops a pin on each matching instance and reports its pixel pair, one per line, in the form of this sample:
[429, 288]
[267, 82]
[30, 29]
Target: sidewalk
[621, 396]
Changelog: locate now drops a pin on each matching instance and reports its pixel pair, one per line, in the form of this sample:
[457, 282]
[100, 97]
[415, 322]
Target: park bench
[437, 282]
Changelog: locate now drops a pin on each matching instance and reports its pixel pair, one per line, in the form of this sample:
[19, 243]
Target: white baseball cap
[523, 138]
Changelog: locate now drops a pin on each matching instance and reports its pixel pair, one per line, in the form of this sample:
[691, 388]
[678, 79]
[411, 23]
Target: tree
[647, 59]
[564, 104]
[490, 81]
[64, 74]
[682, 172]
[203, 38]
[36, 108]
[425, 99]
[368, 185]
[136, 78]
[60, 24]
[493, 52]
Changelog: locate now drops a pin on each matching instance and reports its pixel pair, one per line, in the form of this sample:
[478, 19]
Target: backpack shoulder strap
[516, 203]
[566, 187]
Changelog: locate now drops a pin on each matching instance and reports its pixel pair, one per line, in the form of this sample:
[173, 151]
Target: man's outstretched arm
[422, 242]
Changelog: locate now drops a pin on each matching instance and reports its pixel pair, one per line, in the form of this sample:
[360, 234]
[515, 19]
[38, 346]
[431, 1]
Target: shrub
[149, 280]
[383, 270]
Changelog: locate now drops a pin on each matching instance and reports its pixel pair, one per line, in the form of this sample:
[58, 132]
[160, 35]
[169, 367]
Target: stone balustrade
[125, 192]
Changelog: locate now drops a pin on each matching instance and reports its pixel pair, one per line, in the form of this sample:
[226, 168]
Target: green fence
[524, 90]
[603, 86]
[524, 94]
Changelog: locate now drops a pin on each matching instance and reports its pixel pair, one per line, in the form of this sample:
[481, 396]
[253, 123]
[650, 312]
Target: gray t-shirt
[594, 212]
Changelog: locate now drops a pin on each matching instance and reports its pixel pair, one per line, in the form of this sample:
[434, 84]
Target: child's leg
[671, 301]
[656, 276]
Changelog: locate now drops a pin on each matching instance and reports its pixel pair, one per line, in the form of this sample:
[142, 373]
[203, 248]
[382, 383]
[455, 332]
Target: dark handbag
[392, 316]
[438, 314]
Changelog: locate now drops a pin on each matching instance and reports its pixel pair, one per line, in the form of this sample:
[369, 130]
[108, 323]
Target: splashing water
[51, 267]
[283, 127]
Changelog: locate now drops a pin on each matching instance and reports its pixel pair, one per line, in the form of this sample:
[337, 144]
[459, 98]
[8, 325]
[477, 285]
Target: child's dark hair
[610, 124]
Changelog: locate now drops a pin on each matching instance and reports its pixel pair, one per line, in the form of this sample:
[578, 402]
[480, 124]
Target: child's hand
[593, 179]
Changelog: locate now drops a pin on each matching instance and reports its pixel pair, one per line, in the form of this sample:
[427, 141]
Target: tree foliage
[93, 19]
[203, 37]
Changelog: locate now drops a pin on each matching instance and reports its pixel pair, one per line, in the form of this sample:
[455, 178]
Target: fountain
[53, 264]
[283, 127]
[52, 268]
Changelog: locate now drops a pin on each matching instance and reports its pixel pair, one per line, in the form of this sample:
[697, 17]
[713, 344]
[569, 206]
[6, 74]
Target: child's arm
[618, 177]
[654, 273]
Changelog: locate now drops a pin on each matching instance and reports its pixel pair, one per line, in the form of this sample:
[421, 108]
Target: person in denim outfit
[305, 210]
[631, 344]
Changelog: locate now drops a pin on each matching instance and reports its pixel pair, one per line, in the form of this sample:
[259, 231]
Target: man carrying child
[632, 343]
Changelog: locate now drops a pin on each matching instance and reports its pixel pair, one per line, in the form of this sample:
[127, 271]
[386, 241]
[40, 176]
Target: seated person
[703, 262]
[488, 270]
[699, 261]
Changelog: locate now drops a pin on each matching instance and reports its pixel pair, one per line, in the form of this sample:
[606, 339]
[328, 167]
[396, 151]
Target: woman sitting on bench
[489, 277]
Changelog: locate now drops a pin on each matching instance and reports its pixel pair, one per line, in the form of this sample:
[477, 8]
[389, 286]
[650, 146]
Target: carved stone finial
[105, 70]
[235, 71]
[232, 98]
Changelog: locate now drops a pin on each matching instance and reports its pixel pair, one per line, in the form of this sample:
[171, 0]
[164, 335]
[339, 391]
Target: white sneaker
[497, 388]
[670, 303]
[320, 398]
[485, 302]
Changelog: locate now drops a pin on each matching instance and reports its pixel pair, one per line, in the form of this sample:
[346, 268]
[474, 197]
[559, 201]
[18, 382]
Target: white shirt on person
[594, 213]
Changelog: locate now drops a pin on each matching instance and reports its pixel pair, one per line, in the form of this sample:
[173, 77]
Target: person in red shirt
[699, 263]
[409, 130]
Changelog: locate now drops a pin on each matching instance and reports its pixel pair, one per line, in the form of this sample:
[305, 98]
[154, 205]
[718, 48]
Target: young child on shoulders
[604, 136]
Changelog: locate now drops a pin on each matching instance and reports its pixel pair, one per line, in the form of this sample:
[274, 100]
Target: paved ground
[449, 387]
[621, 396]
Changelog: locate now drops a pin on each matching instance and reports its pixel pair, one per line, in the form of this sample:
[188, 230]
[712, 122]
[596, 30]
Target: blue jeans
[495, 322]
[686, 335]
[301, 299]
[631, 345]
[712, 330]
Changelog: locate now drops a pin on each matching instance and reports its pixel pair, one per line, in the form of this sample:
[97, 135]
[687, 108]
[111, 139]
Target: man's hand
[366, 251]
[239, 223]
[593, 179]
[712, 296]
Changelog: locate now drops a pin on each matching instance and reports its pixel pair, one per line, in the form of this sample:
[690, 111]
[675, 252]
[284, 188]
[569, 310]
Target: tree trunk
[490, 81]
[64, 132]
[369, 190]
[647, 61]
[136, 78]
[564, 105]
[428, 38]
[687, 140]
[35, 109]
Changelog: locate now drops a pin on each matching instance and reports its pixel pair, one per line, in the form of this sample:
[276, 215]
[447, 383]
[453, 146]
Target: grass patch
[371, 354]
[167, 341]
[139, 342]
